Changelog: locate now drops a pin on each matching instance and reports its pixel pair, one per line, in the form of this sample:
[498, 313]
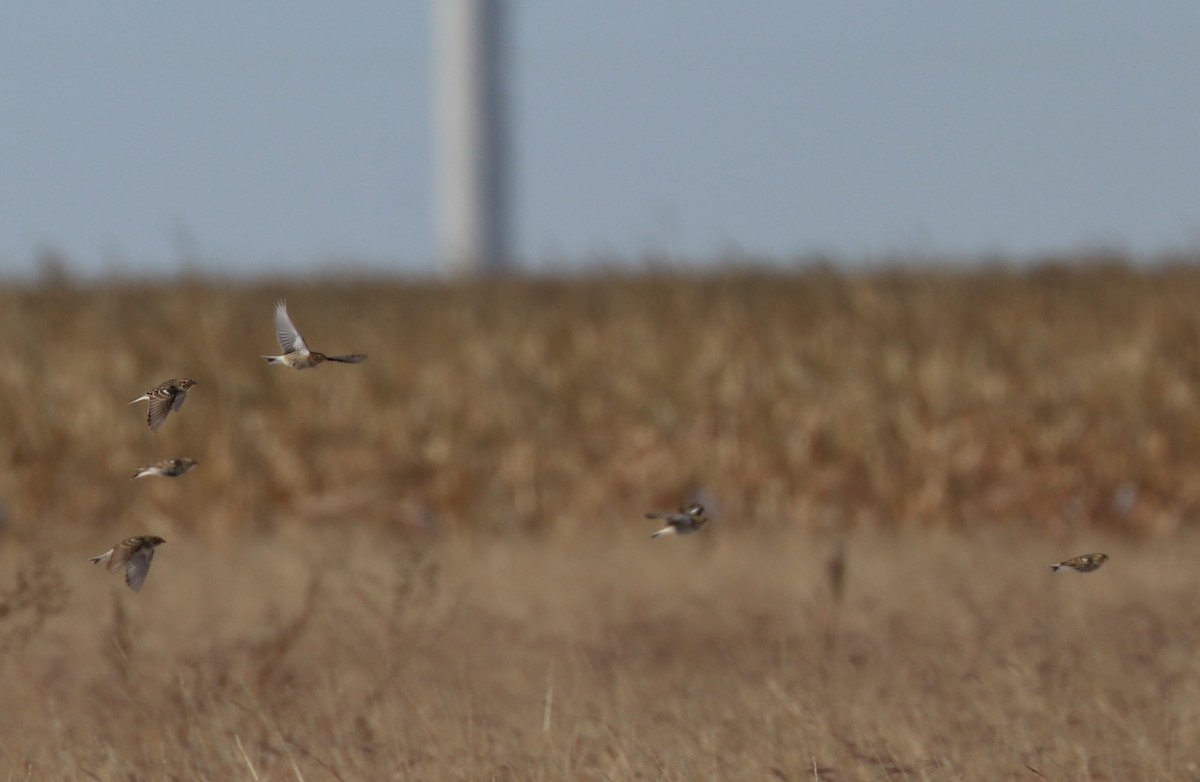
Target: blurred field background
[434, 566]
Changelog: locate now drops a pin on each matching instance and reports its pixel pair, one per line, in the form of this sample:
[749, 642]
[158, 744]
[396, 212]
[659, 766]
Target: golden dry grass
[434, 566]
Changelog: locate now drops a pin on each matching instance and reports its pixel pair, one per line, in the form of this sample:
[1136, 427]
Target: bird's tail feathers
[665, 531]
[352, 358]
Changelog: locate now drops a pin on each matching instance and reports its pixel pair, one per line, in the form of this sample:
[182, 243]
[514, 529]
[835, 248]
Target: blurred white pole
[469, 135]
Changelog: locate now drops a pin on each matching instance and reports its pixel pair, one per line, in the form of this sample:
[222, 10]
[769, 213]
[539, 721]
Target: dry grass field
[434, 566]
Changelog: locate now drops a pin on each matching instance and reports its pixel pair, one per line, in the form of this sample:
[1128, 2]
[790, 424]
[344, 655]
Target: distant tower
[471, 166]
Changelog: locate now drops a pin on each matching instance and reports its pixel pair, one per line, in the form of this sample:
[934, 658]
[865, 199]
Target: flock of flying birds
[133, 555]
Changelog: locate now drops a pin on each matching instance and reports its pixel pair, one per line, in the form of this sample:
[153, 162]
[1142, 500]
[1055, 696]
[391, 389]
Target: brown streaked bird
[689, 519]
[1084, 563]
[295, 351]
[167, 468]
[132, 554]
[166, 397]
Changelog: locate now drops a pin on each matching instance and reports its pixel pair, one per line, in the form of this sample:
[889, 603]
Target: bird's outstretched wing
[137, 568]
[159, 408]
[285, 331]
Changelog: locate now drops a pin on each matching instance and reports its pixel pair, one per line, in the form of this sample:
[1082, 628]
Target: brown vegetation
[433, 565]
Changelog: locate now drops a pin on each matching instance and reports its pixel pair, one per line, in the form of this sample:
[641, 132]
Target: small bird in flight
[166, 397]
[295, 352]
[1084, 563]
[167, 468]
[133, 554]
[689, 519]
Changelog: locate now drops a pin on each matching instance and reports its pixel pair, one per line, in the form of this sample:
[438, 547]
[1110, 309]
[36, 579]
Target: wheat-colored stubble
[459, 585]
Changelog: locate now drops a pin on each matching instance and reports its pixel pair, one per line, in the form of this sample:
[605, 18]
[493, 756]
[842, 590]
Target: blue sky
[290, 135]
